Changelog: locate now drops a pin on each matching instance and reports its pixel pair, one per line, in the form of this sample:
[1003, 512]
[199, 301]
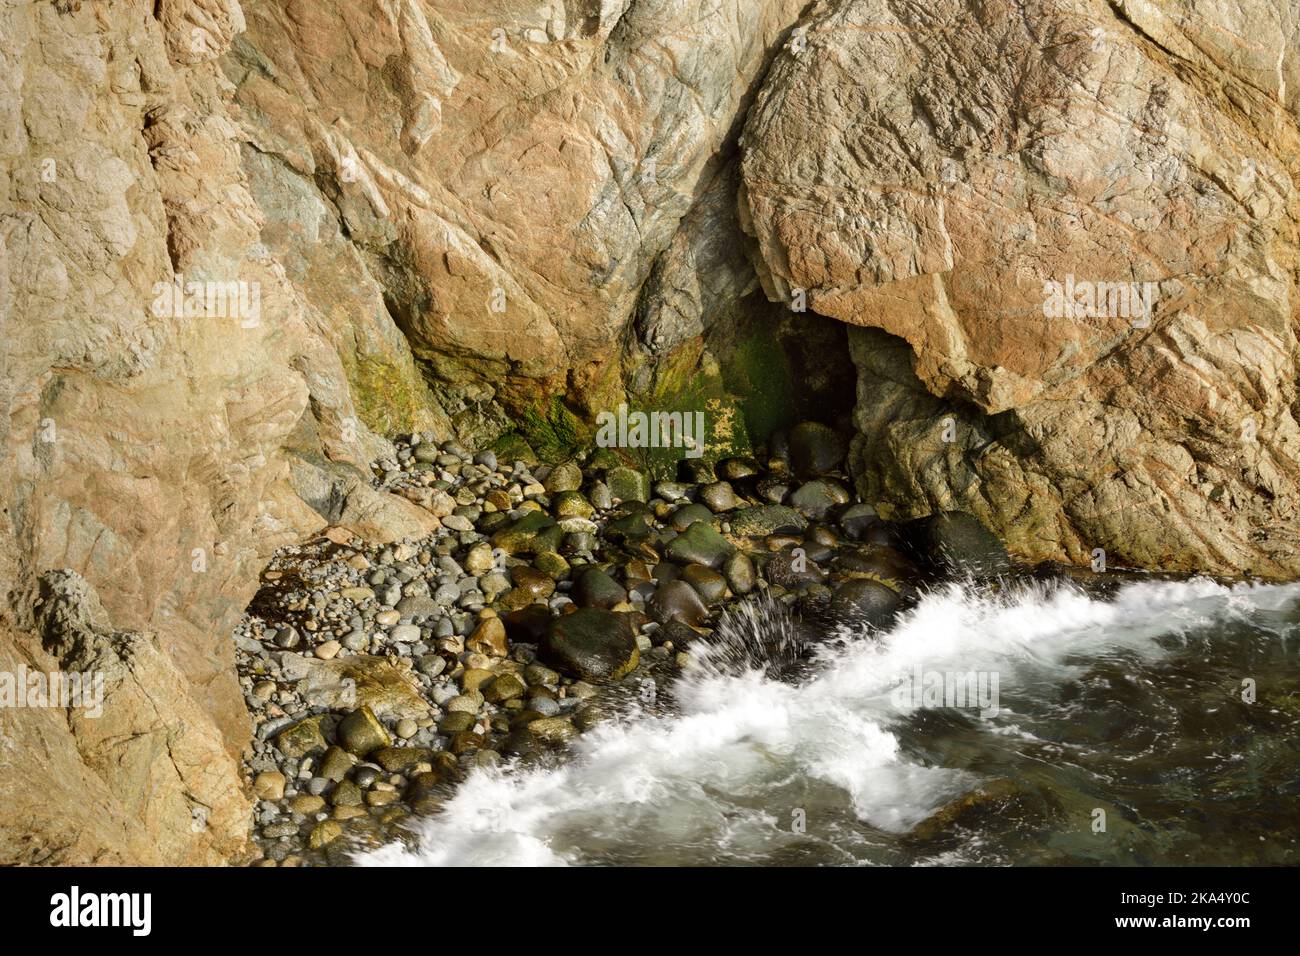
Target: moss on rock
[553, 431]
[390, 396]
[689, 380]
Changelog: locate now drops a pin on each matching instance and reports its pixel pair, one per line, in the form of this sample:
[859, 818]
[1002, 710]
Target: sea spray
[722, 779]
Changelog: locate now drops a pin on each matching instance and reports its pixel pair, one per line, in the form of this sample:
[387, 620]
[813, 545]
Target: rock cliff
[930, 173]
[242, 244]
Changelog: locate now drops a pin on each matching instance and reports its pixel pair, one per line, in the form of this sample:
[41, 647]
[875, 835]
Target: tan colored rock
[363, 680]
[489, 638]
[137, 773]
[536, 161]
[406, 220]
[144, 434]
[981, 152]
[269, 785]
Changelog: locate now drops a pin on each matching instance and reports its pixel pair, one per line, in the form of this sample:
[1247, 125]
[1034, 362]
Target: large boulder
[952, 542]
[956, 178]
[815, 449]
[861, 602]
[592, 643]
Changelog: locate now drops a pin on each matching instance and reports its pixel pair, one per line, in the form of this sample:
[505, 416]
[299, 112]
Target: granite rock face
[147, 432]
[134, 771]
[498, 178]
[408, 216]
[1067, 232]
[394, 211]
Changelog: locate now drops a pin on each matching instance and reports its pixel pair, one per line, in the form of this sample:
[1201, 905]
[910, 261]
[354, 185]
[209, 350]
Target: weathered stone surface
[146, 440]
[381, 176]
[537, 161]
[141, 775]
[925, 170]
[251, 144]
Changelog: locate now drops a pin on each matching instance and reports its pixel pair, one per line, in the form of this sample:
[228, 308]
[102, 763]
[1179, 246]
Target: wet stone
[677, 600]
[503, 688]
[634, 526]
[953, 542]
[553, 729]
[536, 584]
[521, 536]
[687, 515]
[592, 643]
[489, 638]
[700, 544]
[773, 490]
[709, 584]
[360, 732]
[595, 588]
[718, 496]
[792, 571]
[269, 785]
[601, 497]
[671, 491]
[456, 721]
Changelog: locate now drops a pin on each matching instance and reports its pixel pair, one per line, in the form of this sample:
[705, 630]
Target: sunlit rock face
[241, 243]
[1078, 221]
[498, 176]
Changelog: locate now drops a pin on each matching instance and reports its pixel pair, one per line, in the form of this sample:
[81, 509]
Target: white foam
[707, 775]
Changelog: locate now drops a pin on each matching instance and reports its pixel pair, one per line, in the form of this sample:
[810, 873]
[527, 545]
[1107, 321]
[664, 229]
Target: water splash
[744, 752]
